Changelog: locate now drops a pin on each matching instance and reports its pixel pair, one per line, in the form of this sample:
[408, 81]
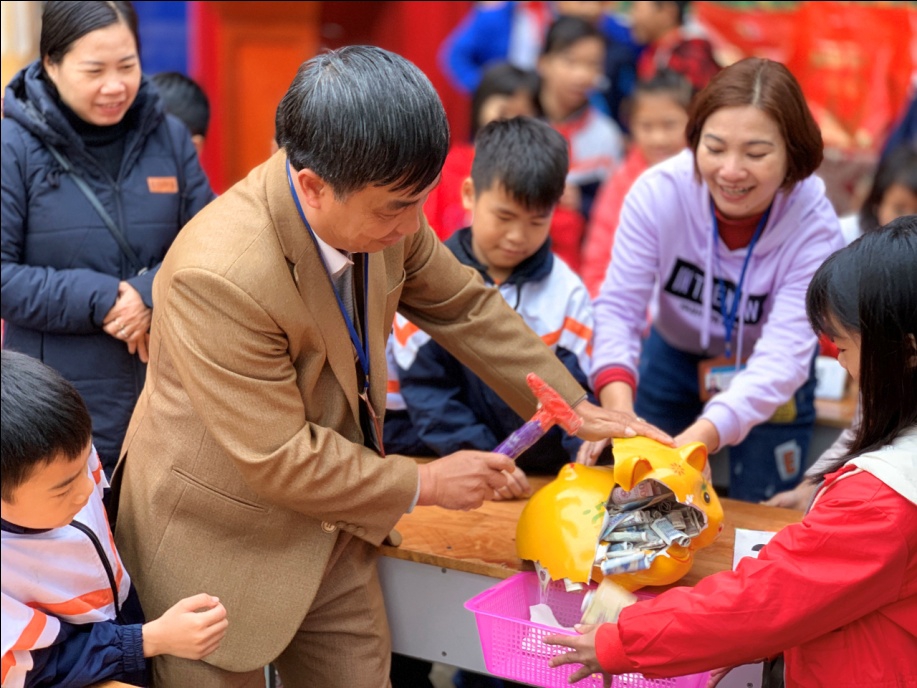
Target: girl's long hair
[870, 288]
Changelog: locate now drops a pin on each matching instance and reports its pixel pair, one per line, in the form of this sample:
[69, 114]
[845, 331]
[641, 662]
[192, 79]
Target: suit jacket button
[328, 527]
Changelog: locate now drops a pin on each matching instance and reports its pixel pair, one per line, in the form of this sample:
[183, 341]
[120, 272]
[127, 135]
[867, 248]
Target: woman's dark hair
[363, 116]
[869, 288]
[768, 86]
[43, 418]
[899, 166]
[64, 23]
[500, 79]
[566, 31]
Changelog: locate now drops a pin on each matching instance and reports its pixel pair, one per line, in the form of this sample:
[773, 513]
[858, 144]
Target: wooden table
[837, 414]
[447, 557]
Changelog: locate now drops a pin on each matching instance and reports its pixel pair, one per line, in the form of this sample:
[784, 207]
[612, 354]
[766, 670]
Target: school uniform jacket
[70, 617]
[448, 404]
[244, 458]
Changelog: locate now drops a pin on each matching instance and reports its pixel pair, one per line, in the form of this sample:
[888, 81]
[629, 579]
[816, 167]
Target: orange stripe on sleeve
[97, 474]
[574, 327]
[578, 328]
[403, 334]
[78, 605]
[26, 640]
[393, 387]
[551, 338]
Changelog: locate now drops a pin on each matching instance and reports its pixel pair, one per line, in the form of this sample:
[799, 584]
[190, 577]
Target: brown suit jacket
[244, 457]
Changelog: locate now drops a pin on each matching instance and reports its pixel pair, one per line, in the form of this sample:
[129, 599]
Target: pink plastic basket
[513, 646]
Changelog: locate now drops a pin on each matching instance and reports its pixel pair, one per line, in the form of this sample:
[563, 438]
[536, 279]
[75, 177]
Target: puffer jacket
[61, 266]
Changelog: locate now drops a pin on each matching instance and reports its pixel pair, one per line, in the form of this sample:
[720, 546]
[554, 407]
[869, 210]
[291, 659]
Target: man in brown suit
[251, 466]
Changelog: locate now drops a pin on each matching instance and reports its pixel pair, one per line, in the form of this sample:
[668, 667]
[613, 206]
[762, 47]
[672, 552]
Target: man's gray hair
[362, 116]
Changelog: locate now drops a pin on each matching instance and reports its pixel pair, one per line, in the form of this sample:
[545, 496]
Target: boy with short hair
[182, 97]
[70, 614]
[517, 179]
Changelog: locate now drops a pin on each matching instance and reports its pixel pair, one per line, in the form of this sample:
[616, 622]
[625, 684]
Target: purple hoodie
[662, 252]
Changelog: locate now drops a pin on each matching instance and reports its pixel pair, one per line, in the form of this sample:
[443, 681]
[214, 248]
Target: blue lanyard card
[714, 375]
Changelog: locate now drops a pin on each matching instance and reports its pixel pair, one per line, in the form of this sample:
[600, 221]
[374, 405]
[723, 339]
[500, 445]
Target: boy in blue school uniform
[436, 405]
[71, 616]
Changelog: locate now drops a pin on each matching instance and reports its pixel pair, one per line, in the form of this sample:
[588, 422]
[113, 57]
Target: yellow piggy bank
[563, 523]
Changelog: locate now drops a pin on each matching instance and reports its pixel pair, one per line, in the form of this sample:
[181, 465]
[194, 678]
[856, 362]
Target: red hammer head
[552, 408]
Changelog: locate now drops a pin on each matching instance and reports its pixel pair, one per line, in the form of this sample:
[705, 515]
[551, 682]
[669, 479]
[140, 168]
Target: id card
[375, 424]
[714, 375]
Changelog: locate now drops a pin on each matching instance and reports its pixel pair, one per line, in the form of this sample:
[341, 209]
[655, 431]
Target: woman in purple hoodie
[720, 243]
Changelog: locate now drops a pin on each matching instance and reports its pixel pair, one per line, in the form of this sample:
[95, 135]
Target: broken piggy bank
[638, 523]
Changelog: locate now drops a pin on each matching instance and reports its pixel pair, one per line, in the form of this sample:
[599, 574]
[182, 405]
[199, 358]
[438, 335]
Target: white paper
[749, 543]
[542, 614]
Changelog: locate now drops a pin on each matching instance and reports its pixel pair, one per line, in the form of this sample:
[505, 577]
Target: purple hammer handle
[521, 439]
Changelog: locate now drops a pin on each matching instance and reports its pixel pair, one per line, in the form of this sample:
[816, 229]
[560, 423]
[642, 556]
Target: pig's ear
[639, 470]
[695, 455]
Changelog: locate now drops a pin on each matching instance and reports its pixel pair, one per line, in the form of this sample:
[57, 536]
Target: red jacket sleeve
[847, 558]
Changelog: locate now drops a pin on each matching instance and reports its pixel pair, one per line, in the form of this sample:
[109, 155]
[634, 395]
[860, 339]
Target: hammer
[552, 410]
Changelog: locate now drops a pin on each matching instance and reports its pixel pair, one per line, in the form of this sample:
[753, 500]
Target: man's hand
[129, 320]
[589, 452]
[602, 424]
[583, 647]
[517, 487]
[463, 480]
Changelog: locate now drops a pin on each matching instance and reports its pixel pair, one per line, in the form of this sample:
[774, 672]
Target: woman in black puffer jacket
[74, 294]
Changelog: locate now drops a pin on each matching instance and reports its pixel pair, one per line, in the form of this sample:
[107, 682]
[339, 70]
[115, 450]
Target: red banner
[853, 59]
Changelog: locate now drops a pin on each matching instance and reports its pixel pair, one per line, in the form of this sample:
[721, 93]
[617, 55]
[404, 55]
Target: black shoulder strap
[81, 184]
[182, 195]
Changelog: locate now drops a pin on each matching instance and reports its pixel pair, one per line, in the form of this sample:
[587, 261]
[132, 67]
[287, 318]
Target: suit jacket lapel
[311, 279]
[377, 329]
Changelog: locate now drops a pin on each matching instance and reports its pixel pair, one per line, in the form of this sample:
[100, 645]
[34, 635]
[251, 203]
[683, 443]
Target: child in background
[186, 100]
[70, 614]
[659, 113]
[836, 593]
[493, 32]
[893, 193]
[516, 181]
[505, 91]
[570, 67]
[660, 26]
[514, 32]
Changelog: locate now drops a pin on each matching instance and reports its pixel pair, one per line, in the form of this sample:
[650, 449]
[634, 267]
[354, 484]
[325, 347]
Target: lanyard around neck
[360, 344]
[730, 318]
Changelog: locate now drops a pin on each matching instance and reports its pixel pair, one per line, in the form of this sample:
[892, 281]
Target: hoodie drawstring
[743, 301]
[707, 296]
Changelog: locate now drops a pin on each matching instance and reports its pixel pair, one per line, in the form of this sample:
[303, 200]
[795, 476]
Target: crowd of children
[655, 218]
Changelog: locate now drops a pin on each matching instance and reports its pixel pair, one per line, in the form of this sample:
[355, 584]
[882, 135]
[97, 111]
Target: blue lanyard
[361, 345]
[729, 320]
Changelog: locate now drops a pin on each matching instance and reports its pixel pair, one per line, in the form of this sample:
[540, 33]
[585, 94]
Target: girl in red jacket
[836, 593]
